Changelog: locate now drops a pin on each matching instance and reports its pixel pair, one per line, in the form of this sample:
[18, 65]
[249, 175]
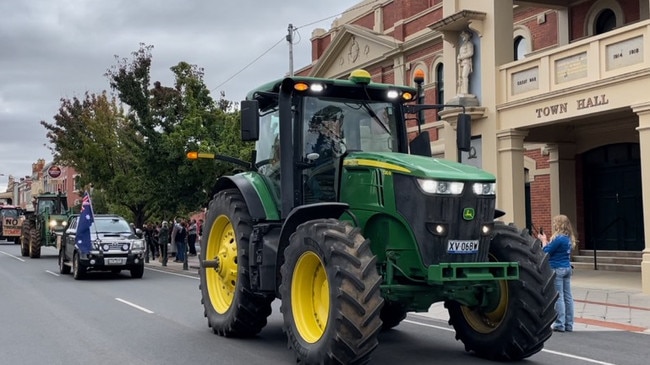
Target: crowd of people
[181, 235]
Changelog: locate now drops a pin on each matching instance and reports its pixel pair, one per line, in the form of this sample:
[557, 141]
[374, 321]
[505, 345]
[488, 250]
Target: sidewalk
[603, 300]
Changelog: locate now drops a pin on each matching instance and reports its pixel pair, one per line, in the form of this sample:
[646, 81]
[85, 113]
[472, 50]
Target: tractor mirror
[421, 145]
[464, 132]
[250, 121]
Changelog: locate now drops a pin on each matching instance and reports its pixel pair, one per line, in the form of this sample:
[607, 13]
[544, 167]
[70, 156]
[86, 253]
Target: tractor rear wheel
[35, 243]
[330, 293]
[26, 237]
[232, 308]
[519, 321]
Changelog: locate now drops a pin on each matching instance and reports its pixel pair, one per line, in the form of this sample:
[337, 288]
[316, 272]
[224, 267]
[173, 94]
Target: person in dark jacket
[163, 240]
[559, 250]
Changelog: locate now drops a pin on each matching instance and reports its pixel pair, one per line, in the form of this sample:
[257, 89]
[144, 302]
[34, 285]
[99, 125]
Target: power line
[295, 29]
[249, 64]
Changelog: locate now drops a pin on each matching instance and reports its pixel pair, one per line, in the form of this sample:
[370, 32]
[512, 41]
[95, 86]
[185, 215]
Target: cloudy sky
[53, 49]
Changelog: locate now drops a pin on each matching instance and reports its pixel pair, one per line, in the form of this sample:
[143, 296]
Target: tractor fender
[251, 194]
[303, 214]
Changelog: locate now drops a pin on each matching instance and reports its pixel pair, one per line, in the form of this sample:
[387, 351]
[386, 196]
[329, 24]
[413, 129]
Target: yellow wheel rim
[486, 322]
[310, 297]
[222, 281]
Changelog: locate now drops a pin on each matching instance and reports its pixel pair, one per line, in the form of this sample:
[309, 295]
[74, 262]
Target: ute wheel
[232, 309]
[63, 268]
[330, 294]
[136, 271]
[392, 314]
[35, 243]
[78, 271]
[523, 310]
[26, 236]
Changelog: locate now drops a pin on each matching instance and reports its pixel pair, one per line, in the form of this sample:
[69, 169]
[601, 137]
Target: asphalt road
[47, 318]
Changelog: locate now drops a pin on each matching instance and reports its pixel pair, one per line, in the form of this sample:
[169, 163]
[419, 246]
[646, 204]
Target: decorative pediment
[353, 47]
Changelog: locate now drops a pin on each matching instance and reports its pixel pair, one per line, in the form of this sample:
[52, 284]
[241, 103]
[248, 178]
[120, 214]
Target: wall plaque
[571, 68]
[624, 53]
[526, 80]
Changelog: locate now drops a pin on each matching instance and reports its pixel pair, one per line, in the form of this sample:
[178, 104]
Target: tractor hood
[418, 166]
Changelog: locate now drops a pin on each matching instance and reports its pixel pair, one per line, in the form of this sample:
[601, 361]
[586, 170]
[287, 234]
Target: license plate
[462, 246]
[115, 261]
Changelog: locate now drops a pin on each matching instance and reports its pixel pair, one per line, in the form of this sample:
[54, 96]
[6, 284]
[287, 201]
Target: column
[510, 175]
[643, 112]
[562, 166]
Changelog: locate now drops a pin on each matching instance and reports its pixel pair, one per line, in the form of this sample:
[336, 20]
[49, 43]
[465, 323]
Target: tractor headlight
[441, 187]
[52, 223]
[484, 188]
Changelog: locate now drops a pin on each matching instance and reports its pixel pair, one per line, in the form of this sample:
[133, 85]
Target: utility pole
[290, 40]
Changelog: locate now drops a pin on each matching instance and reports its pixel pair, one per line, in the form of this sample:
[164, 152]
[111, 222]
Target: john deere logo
[468, 214]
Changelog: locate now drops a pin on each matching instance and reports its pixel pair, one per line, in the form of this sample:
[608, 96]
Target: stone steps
[624, 261]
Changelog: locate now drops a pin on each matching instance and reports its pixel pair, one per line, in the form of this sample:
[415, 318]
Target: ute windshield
[111, 225]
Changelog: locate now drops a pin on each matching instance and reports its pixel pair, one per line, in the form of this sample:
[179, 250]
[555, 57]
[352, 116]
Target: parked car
[115, 247]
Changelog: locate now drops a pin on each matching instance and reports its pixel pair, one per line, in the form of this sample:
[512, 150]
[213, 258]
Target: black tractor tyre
[231, 307]
[35, 243]
[78, 271]
[136, 271]
[63, 268]
[26, 237]
[521, 321]
[330, 290]
[392, 314]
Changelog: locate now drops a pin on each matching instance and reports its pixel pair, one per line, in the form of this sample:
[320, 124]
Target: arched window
[440, 84]
[605, 21]
[520, 48]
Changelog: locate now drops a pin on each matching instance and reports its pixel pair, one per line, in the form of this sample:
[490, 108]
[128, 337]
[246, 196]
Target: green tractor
[352, 227]
[44, 224]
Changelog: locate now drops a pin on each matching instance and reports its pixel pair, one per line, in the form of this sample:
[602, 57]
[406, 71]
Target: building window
[520, 48]
[440, 84]
[605, 22]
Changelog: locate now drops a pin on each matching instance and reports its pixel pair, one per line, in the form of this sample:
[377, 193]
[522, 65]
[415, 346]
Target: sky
[53, 49]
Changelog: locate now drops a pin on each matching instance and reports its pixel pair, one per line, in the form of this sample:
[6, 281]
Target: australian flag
[86, 219]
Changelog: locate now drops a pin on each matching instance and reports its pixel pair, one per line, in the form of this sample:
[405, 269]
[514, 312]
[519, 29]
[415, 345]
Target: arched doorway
[612, 198]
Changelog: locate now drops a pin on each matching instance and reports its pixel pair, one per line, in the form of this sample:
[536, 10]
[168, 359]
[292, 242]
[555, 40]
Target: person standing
[559, 250]
[191, 237]
[163, 240]
[180, 239]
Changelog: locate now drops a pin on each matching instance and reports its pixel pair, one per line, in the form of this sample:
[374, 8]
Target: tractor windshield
[9, 213]
[334, 126]
[51, 206]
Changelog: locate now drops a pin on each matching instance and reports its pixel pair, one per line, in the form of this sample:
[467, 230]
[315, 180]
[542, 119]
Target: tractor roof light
[360, 76]
[317, 87]
[392, 94]
[301, 86]
[407, 96]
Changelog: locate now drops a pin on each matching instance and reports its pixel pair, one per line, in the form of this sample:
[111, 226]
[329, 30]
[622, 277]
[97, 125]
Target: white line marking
[173, 273]
[134, 305]
[52, 273]
[12, 256]
[586, 359]
[577, 357]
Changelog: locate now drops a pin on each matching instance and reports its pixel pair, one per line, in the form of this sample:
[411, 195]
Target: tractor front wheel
[26, 237]
[331, 300]
[519, 319]
[232, 308]
[35, 243]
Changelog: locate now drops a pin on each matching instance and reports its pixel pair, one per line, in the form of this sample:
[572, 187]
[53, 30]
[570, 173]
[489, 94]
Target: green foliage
[136, 158]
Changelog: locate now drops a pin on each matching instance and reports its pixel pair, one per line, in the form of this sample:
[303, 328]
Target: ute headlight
[137, 244]
[441, 187]
[484, 188]
[97, 244]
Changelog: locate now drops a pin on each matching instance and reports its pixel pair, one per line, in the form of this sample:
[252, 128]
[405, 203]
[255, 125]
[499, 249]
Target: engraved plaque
[624, 53]
[526, 80]
[571, 68]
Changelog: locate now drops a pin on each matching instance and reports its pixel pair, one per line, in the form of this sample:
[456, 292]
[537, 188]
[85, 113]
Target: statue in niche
[464, 60]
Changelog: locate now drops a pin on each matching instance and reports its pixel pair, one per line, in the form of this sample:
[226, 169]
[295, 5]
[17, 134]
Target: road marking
[172, 273]
[52, 273]
[12, 256]
[134, 305]
[577, 357]
[544, 350]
